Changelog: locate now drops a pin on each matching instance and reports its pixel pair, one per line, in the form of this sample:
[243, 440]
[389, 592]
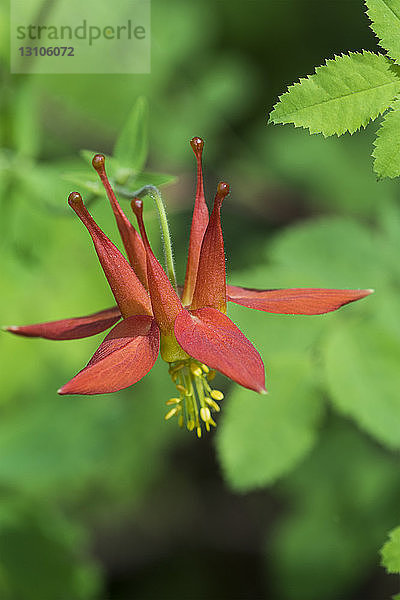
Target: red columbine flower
[190, 329]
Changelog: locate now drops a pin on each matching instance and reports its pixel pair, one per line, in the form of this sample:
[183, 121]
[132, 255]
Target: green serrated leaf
[362, 372]
[331, 171]
[387, 144]
[263, 437]
[131, 147]
[390, 552]
[343, 95]
[385, 22]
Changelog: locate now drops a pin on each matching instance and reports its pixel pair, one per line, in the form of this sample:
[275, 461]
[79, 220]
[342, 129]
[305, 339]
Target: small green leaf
[362, 371]
[390, 552]
[385, 22]
[343, 95]
[131, 147]
[387, 144]
[261, 438]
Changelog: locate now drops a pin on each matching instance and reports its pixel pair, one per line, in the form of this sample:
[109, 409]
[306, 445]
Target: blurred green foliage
[99, 497]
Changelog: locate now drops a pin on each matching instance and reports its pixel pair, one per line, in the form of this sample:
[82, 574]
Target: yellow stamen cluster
[197, 401]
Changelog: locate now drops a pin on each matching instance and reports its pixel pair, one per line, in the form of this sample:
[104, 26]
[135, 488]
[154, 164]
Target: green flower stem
[153, 192]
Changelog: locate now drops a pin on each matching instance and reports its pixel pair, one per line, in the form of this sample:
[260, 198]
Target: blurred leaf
[41, 555]
[338, 501]
[218, 96]
[86, 179]
[263, 437]
[362, 369]
[124, 180]
[26, 121]
[330, 174]
[148, 178]
[390, 552]
[92, 441]
[387, 144]
[330, 252]
[343, 95]
[131, 147]
[385, 22]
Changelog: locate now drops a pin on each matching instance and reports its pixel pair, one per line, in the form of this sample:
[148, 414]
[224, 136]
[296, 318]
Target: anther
[177, 368]
[197, 401]
[217, 395]
[196, 370]
[172, 412]
[213, 404]
[173, 401]
[205, 414]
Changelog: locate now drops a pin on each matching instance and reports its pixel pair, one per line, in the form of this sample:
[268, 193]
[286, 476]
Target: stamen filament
[197, 400]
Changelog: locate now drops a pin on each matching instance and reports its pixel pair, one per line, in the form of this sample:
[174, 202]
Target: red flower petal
[127, 353]
[210, 337]
[129, 293]
[295, 301]
[165, 301]
[130, 238]
[210, 287]
[199, 226]
[71, 329]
